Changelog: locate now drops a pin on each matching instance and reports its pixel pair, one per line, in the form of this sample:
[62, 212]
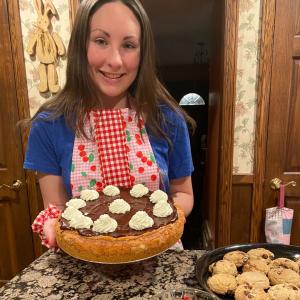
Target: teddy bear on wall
[47, 46]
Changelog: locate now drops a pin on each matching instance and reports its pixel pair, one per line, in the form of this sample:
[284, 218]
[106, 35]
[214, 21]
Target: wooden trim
[73, 6]
[19, 65]
[227, 122]
[242, 179]
[263, 95]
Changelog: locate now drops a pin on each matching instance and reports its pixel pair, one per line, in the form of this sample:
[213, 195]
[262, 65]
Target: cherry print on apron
[118, 152]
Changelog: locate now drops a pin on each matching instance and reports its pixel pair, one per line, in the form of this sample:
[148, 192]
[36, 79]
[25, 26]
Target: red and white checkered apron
[118, 153]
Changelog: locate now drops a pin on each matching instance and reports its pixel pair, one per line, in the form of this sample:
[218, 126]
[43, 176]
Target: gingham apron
[118, 152]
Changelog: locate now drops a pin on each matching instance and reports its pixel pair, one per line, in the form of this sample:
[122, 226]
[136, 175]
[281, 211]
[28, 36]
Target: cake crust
[108, 249]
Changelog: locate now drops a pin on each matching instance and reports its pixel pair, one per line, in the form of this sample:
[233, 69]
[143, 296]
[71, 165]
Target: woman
[110, 70]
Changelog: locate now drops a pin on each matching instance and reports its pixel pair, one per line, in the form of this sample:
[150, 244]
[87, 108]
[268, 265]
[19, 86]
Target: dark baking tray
[205, 260]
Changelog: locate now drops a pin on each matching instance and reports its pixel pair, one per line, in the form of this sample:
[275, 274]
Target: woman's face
[113, 52]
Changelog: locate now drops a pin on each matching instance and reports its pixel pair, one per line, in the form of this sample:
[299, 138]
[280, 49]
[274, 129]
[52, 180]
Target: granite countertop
[59, 276]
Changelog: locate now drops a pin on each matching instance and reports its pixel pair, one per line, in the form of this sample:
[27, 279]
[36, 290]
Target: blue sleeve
[180, 157]
[41, 153]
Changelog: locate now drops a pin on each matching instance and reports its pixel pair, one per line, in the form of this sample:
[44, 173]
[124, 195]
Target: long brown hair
[78, 96]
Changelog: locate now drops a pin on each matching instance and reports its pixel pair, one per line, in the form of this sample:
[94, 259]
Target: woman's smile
[112, 75]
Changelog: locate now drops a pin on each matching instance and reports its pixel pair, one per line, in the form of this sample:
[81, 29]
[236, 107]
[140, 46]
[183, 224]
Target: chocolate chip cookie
[223, 267]
[222, 284]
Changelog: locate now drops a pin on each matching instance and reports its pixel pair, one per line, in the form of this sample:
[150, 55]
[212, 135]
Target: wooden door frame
[218, 177]
[73, 8]
[226, 135]
[268, 8]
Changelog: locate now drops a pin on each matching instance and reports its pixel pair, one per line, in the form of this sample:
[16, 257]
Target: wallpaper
[61, 26]
[246, 97]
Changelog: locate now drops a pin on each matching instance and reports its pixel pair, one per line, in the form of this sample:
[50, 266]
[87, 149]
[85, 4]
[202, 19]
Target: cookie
[285, 263]
[222, 283]
[261, 253]
[255, 279]
[259, 265]
[279, 275]
[284, 291]
[223, 267]
[237, 257]
[246, 291]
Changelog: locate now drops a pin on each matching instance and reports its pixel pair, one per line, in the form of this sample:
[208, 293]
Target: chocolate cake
[124, 239]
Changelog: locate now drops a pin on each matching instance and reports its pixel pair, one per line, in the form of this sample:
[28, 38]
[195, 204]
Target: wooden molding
[227, 122]
[73, 6]
[243, 179]
[19, 65]
[264, 79]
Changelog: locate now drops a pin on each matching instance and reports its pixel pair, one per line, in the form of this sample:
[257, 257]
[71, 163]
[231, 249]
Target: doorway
[182, 38]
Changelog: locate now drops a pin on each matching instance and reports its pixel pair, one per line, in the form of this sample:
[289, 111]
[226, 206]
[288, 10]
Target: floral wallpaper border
[246, 82]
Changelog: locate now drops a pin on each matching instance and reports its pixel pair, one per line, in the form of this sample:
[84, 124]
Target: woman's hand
[49, 232]
[53, 193]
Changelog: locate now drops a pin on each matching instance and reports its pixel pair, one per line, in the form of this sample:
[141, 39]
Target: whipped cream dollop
[140, 220]
[139, 190]
[119, 206]
[76, 203]
[71, 212]
[111, 190]
[81, 222]
[105, 224]
[88, 195]
[158, 195]
[162, 209]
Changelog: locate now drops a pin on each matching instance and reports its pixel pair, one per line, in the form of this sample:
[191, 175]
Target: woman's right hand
[54, 193]
[49, 232]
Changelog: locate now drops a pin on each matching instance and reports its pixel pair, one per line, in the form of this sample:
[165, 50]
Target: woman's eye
[101, 42]
[130, 46]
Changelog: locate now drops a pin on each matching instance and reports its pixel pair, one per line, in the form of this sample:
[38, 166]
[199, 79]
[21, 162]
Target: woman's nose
[114, 58]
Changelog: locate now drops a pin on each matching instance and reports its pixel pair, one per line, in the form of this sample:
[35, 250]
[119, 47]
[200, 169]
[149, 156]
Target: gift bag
[278, 223]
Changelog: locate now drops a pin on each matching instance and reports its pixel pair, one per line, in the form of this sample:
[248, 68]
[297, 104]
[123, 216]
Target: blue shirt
[50, 148]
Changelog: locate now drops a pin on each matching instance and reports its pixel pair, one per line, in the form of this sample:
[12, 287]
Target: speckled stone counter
[59, 276]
